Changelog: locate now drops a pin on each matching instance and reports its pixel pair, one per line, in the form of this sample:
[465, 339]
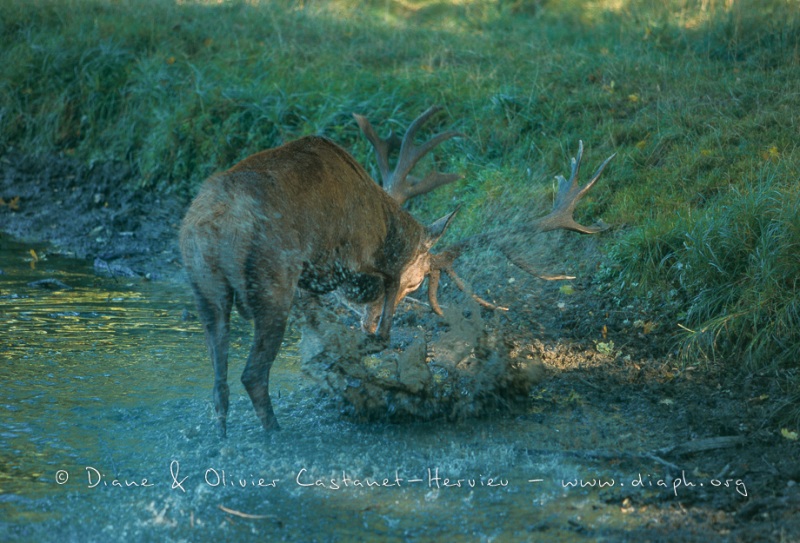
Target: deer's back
[306, 201]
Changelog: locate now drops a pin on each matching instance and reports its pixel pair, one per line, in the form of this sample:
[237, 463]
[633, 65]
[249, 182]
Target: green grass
[698, 98]
[736, 264]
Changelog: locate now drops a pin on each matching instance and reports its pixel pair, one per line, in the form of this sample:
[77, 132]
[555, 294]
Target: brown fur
[304, 214]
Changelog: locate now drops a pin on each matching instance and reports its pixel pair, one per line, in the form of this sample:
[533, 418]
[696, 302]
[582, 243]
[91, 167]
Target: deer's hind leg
[269, 299]
[215, 314]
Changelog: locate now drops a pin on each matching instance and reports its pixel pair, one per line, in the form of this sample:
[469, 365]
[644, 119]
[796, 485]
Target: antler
[568, 195]
[398, 183]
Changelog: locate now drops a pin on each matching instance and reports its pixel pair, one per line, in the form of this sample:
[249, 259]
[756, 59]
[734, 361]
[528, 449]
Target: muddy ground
[598, 351]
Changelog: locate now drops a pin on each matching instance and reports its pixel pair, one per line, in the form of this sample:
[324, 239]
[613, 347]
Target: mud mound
[463, 369]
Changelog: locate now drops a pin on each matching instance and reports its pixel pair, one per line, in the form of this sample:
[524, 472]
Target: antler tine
[463, 287]
[410, 153]
[576, 163]
[596, 175]
[443, 262]
[431, 181]
[382, 147]
[438, 263]
[433, 289]
[408, 138]
[566, 188]
[419, 121]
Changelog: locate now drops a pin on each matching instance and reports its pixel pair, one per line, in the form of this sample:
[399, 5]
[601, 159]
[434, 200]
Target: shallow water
[107, 434]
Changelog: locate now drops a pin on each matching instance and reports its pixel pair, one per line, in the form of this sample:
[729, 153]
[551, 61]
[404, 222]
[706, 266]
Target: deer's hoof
[270, 425]
[222, 427]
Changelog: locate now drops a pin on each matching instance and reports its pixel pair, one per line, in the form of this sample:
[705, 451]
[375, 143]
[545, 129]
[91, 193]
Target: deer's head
[417, 266]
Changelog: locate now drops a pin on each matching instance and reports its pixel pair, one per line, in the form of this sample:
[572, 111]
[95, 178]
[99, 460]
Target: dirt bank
[82, 212]
[601, 355]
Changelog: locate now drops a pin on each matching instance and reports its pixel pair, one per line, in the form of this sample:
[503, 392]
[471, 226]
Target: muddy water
[107, 434]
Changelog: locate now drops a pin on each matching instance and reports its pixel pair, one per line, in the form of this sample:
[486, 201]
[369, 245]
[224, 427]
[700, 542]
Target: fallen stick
[702, 445]
[245, 515]
[694, 446]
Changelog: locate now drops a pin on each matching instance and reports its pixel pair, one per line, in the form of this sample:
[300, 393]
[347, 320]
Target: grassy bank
[698, 98]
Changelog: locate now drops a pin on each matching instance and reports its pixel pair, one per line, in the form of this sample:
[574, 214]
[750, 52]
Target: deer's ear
[437, 229]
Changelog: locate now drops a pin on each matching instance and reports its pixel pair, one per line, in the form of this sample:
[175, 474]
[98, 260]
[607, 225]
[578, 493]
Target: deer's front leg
[377, 320]
[389, 305]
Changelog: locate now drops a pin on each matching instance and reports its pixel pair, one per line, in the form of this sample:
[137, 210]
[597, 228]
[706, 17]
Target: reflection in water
[78, 362]
[107, 433]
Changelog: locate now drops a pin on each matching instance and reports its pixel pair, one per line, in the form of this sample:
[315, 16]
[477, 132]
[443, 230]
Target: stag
[305, 215]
